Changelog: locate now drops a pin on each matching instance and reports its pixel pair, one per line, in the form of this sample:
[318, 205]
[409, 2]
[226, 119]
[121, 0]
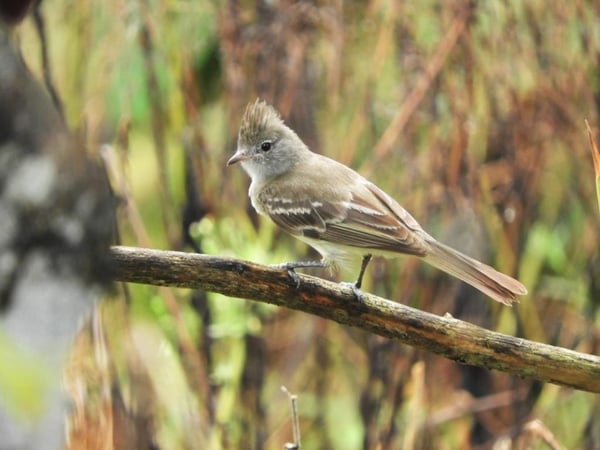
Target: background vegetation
[471, 114]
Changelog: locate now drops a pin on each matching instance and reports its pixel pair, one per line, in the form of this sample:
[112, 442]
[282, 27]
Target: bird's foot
[358, 294]
[290, 268]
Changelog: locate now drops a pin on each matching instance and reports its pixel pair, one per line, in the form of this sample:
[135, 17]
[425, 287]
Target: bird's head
[267, 147]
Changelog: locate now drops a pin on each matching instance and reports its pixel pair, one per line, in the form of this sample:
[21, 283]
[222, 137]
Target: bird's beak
[240, 155]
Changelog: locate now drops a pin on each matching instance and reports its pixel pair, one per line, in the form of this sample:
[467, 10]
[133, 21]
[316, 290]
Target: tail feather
[488, 280]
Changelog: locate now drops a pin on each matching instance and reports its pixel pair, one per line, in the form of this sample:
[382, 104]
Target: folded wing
[366, 218]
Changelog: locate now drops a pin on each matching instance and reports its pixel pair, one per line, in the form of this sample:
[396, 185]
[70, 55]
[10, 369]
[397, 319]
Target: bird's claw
[358, 294]
[294, 276]
[290, 269]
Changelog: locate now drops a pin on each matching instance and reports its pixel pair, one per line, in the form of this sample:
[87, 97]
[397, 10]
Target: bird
[339, 212]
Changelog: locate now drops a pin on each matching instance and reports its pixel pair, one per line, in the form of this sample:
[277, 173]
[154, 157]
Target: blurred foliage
[25, 381]
[488, 150]
[596, 159]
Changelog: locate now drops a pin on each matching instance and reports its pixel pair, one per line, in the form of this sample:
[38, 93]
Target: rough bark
[455, 339]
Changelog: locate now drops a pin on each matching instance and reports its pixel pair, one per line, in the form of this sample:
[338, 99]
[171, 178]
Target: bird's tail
[488, 280]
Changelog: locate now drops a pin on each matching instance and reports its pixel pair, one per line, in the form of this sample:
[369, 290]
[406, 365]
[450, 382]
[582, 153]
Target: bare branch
[446, 336]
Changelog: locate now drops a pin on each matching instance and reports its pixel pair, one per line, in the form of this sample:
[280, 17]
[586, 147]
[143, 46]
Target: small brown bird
[337, 211]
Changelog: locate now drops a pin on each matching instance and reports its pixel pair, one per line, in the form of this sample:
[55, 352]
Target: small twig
[536, 429]
[465, 404]
[295, 421]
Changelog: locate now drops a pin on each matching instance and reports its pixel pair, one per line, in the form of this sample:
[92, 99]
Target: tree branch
[446, 336]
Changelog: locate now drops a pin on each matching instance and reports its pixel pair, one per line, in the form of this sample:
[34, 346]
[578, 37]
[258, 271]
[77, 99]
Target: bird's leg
[291, 267]
[358, 283]
[363, 266]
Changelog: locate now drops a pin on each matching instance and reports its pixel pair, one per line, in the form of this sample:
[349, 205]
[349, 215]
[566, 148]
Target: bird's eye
[266, 146]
